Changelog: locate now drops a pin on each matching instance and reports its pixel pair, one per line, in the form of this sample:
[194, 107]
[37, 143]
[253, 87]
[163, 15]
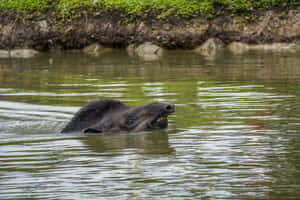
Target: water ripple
[234, 134]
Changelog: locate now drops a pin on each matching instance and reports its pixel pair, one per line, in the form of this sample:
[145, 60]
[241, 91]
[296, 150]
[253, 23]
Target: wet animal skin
[112, 116]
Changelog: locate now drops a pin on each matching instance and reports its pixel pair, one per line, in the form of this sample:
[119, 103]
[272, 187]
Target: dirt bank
[109, 30]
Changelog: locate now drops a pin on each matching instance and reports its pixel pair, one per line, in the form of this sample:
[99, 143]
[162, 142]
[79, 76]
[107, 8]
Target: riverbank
[111, 28]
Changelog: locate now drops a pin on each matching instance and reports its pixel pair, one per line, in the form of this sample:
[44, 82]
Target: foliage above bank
[134, 9]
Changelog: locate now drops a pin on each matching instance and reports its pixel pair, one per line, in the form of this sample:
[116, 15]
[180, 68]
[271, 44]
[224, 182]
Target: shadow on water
[155, 142]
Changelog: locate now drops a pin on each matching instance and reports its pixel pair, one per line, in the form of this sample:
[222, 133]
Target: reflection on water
[155, 143]
[234, 134]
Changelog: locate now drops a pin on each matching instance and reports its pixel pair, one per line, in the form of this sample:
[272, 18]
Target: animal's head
[110, 116]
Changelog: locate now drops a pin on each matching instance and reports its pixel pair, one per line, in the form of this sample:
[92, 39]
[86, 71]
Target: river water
[235, 133]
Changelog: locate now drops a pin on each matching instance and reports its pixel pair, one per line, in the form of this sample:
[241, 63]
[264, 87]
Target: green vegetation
[133, 9]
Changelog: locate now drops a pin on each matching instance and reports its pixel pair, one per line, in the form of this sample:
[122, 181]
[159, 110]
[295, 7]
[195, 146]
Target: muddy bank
[44, 34]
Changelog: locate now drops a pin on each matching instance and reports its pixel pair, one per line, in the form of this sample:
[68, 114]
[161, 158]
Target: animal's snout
[170, 108]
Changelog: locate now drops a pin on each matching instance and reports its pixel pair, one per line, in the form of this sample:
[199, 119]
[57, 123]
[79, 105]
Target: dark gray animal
[111, 116]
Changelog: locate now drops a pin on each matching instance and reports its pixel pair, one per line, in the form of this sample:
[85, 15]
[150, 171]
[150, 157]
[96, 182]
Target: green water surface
[234, 135]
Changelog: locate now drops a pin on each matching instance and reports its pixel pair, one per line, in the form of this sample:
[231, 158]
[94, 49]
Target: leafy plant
[70, 9]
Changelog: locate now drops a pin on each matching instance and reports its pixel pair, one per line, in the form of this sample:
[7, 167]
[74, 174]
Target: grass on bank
[141, 8]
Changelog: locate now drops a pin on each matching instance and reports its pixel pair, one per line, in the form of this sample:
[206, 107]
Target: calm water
[235, 133]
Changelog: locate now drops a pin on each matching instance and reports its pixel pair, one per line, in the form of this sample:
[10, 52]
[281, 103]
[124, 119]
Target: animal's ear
[100, 127]
[91, 130]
